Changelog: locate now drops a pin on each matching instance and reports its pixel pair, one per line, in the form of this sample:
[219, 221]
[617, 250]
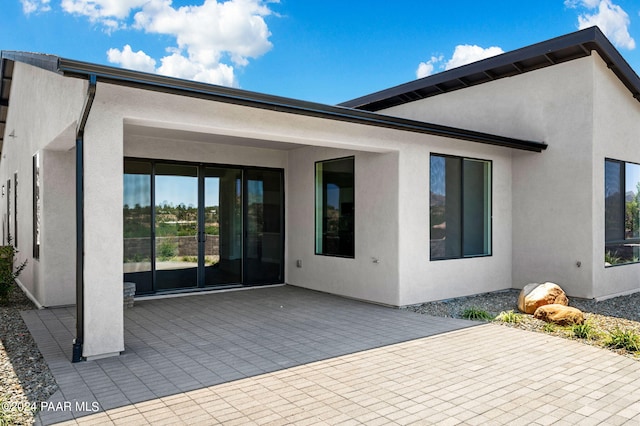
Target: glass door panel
[137, 225]
[264, 225]
[176, 226]
[222, 226]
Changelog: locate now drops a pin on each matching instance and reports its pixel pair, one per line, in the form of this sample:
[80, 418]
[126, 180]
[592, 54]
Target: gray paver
[285, 355]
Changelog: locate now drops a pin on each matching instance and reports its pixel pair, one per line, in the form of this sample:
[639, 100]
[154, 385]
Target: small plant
[510, 317]
[167, 250]
[8, 273]
[476, 314]
[583, 331]
[623, 339]
[549, 327]
[611, 258]
[189, 259]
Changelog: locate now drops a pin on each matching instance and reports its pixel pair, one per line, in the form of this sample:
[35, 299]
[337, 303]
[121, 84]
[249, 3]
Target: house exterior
[456, 184]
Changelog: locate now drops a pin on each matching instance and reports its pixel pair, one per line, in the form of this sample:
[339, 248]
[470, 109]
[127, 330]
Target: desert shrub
[476, 314]
[583, 331]
[167, 250]
[510, 317]
[8, 272]
[623, 339]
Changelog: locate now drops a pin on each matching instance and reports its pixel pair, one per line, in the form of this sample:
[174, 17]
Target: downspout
[88, 101]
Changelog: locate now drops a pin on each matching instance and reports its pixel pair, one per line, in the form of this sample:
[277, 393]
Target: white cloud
[127, 58]
[610, 18]
[466, 54]
[235, 28]
[427, 68]
[211, 38]
[176, 65]
[463, 54]
[98, 10]
[33, 6]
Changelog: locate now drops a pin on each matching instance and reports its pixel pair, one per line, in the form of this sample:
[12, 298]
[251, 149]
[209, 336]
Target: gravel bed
[25, 378]
[621, 313]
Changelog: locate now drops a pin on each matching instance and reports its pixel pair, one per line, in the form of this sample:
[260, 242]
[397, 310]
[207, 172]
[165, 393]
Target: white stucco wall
[57, 261]
[376, 227]
[43, 106]
[424, 280]
[616, 135]
[552, 191]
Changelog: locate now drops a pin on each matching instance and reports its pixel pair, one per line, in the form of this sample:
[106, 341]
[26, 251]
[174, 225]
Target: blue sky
[329, 51]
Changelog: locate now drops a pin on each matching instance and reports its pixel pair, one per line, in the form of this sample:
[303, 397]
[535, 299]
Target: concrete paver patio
[290, 356]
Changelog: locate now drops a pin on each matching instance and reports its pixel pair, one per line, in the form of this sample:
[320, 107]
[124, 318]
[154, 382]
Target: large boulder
[535, 295]
[559, 314]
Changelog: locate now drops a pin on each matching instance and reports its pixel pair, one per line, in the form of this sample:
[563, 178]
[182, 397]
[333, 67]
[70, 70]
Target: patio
[182, 344]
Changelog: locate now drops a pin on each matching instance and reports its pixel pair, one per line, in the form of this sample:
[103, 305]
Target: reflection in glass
[137, 224]
[614, 226]
[460, 207]
[176, 220]
[632, 199]
[263, 245]
[621, 212]
[223, 226]
[335, 207]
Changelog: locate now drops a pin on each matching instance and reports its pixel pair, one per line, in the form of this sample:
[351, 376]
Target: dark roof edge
[560, 49]
[173, 85]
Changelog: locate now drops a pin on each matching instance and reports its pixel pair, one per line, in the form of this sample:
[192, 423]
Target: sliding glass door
[223, 226]
[189, 226]
[264, 238]
[176, 226]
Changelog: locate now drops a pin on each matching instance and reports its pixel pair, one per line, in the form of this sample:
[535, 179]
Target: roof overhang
[146, 81]
[6, 74]
[548, 53]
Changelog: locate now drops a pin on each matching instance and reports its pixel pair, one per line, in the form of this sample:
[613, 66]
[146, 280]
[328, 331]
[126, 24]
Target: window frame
[37, 205]
[319, 225]
[489, 213]
[622, 190]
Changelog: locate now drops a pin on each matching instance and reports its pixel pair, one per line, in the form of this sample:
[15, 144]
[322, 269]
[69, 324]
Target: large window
[460, 207]
[335, 207]
[621, 212]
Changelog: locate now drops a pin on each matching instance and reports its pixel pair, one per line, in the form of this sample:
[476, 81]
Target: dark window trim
[15, 209]
[36, 204]
[490, 254]
[315, 209]
[624, 240]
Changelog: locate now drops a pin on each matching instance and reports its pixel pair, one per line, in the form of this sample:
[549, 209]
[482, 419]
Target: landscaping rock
[535, 295]
[559, 314]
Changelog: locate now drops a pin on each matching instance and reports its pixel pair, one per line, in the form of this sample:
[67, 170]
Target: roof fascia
[584, 41]
[147, 81]
[280, 104]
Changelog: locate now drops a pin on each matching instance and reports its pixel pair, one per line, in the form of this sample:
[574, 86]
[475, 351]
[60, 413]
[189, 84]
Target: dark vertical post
[78, 341]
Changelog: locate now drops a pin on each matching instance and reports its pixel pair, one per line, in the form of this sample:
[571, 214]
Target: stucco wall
[58, 229]
[552, 191]
[376, 227]
[43, 107]
[616, 135]
[422, 279]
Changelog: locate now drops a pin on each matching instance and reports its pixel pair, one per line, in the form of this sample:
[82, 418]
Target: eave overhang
[146, 81]
[547, 53]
